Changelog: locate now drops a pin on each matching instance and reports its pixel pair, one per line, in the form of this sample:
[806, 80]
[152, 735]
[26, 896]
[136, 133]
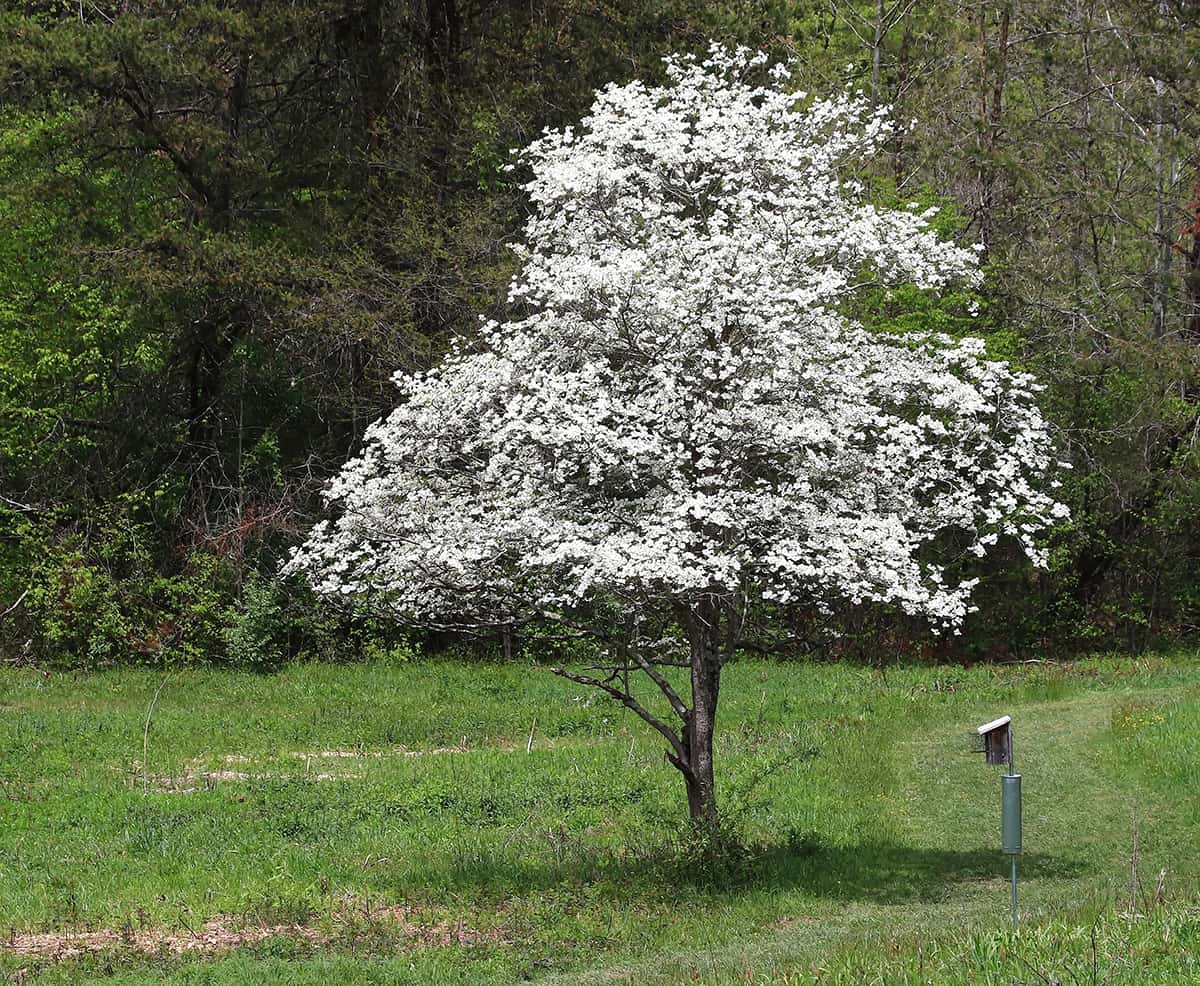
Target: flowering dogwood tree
[682, 424]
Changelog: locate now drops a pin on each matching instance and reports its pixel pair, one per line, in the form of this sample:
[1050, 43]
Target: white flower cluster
[685, 407]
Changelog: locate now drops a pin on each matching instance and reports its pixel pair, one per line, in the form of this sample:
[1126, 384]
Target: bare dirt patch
[225, 932]
[238, 767]
[219, 934]
[196, 777]
[401, 751]
[191, 781]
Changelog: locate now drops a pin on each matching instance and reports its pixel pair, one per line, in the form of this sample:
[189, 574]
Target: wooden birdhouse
[997, 740]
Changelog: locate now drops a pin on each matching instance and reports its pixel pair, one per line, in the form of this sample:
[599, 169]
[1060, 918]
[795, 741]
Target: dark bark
[1094, 564]
[359, 40]
[208, 353]
[703, 625]
[443, 40]
[992, 77]
[1191, 276]
[712, 626]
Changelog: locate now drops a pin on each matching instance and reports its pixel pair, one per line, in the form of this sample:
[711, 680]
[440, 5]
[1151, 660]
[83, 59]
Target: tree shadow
[876, 872]
[888, 873]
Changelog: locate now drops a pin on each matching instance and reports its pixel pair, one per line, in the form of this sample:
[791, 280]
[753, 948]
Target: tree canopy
[684, 425]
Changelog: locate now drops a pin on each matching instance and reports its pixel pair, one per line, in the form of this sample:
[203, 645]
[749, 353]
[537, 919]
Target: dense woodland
[223, 226]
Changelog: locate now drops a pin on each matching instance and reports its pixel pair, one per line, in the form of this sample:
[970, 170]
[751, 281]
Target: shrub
[257, 633]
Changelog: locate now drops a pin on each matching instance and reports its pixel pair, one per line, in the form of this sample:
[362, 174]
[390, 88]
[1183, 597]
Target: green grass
[869, 830]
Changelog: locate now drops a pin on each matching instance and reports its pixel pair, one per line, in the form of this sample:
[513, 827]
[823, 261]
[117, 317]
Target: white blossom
[681, 403]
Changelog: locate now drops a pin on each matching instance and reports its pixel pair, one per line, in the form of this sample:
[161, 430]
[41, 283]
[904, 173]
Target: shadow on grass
[883, 873]
[886, 873]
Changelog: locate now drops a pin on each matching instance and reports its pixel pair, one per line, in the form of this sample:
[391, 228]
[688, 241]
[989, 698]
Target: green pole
[1014, 891]
[1012, 773]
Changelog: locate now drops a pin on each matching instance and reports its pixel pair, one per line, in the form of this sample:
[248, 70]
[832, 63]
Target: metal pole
[1011, 772]
[1014, 889]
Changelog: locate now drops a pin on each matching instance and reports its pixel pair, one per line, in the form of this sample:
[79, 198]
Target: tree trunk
[443, 41]
[703, 628]
[1191, 254]
[993, 69]
[903, 81]
[877, 52]
[1164, 179]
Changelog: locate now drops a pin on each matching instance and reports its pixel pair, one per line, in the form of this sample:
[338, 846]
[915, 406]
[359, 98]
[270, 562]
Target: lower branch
[627, 700]
[663, 686]
[13, 607]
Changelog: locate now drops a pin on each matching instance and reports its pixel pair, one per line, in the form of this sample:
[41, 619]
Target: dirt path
[225, 932]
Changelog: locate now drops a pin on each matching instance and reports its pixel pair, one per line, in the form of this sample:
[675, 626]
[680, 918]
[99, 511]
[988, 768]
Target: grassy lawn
[399, 824]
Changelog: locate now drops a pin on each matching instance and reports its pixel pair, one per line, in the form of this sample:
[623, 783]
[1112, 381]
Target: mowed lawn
[446, 821]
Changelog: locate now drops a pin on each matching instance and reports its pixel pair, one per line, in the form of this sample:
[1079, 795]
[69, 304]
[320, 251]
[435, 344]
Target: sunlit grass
[500, 797]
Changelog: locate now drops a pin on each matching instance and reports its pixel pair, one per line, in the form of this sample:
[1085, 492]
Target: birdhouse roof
[987, 727]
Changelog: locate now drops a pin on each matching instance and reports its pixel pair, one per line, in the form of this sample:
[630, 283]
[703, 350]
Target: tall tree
[686, 428]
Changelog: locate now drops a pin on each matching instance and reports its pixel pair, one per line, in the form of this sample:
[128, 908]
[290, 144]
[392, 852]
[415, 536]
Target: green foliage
[908, 309]
[75, 610]
[256, 636]
[97, 599]
[553, 644]
[68, 345]
[225, 227]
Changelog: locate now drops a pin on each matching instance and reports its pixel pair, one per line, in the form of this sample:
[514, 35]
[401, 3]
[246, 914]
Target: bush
[257, 633]
[95, 597]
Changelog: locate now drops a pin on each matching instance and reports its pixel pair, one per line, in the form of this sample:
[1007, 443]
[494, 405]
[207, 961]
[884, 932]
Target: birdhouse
[997, 740]
[996, 737]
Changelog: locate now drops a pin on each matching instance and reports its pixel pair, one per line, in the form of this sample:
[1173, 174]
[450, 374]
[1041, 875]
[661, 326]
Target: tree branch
[20, 599]
[146, 123]
[664, 686]
[634, 706]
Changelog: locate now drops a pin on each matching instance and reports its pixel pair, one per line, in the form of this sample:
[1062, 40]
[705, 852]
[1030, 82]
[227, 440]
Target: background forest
[223, 226]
